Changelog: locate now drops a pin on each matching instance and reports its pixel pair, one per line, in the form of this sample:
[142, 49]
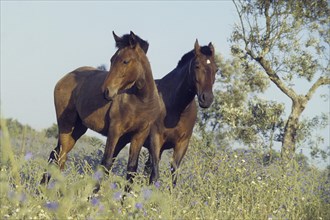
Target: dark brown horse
[194, 75]
[123, 102]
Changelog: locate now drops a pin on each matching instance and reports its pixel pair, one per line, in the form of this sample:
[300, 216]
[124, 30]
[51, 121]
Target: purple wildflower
[101, 208]
[139, 205]
[193, 203]
[11, 194]
[113, 186]
[22, 197]
[51, 185]
[117, 196]
[146, 193]
[95, 201]
[28, 156]
[51, 205]
[157, 184]
[98, 175]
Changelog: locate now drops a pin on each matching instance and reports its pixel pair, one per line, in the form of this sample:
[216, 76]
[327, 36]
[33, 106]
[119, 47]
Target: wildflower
[28, 156]
[117, 196]
[139, 205]
[11, 194]
[95, 201]
[113, 186]
[193, 203]
[51, 205]
[101, 208]
[157, 184]
[98, 175]
[51, 185]
[146, 194]
[22, 197]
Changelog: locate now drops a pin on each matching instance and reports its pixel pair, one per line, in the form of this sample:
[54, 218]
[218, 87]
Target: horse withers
[194, 75]
[123, 102]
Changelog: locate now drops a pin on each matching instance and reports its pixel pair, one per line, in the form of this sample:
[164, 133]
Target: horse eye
[126, 61]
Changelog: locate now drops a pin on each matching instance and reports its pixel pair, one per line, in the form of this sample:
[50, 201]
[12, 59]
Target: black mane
[125, 42]
[188, 56]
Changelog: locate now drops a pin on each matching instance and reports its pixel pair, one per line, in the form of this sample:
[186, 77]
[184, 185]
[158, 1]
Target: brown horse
[194, 75]
[123, 102]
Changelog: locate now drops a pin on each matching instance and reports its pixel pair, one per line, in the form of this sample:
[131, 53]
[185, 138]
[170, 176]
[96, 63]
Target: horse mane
[125, 42]
[188, 56]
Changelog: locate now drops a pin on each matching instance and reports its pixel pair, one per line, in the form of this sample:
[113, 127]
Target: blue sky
[41, 41]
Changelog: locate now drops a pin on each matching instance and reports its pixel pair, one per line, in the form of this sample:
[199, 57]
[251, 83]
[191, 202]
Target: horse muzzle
[109, 94]
[205, 99]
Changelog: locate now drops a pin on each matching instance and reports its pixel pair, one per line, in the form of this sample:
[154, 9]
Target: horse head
[204, 69]
[128, 65]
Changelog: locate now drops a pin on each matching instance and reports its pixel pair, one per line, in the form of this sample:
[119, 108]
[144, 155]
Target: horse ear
[117, 39]
[132, 39]
[211, 47]
[145, 46]
[197, 47]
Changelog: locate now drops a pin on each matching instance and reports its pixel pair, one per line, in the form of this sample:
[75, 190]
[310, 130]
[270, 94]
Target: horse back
[78, 95]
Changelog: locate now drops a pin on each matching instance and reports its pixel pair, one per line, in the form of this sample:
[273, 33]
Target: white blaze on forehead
[208, 61]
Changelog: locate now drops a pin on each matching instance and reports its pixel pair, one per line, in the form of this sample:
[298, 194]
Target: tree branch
[321, 81]
[241, 21]
[276, 79]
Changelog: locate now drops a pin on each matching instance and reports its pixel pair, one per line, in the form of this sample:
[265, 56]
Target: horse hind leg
[178, 153]
[66, 142]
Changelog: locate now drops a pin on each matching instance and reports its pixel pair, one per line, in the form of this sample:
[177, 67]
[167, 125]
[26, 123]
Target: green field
[212, 184]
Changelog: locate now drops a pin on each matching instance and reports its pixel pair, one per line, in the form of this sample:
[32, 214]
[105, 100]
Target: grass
[212, 184]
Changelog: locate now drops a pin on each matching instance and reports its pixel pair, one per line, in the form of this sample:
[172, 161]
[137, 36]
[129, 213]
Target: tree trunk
[291, 128]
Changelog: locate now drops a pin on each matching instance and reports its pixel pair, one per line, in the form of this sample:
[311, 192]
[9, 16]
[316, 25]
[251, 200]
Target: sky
[41, 41]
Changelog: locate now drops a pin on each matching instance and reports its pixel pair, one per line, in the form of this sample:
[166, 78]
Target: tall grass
[212, 184]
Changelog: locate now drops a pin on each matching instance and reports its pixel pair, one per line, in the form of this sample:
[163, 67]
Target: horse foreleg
[108, 156]
[134, 152]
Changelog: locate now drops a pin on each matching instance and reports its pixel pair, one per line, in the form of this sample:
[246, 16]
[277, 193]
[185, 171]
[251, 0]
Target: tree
[237, 113]
[289, 40]
[102, 67]
[52, 131]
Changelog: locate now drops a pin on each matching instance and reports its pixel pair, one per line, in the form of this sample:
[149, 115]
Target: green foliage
[15, 128]
[52, 131]
[211, 185]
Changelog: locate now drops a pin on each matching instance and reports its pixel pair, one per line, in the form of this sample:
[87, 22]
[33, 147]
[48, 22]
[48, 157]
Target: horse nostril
[107, 94]
[205, 99]
[202, 97]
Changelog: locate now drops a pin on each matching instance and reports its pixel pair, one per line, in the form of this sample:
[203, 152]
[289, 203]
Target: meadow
[213, 183]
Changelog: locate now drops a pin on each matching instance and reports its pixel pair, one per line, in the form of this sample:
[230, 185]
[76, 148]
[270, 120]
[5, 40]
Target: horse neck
[149, 91]
[184, 89]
